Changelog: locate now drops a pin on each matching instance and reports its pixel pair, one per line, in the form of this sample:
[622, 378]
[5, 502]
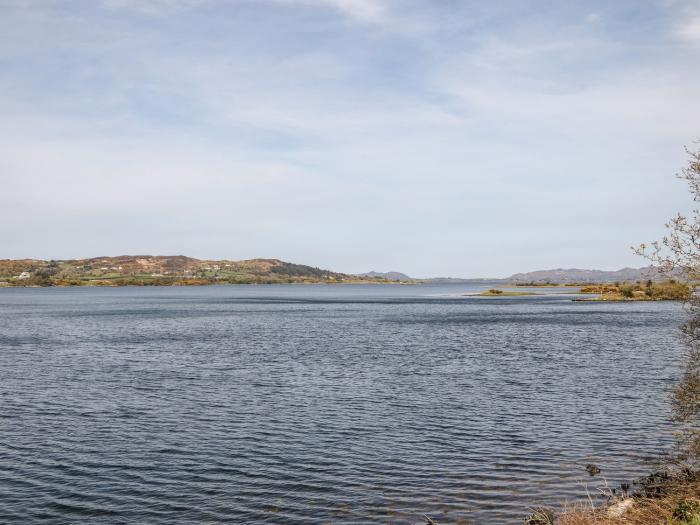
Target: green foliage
[300, 270]
[627, 292]
[687, 511]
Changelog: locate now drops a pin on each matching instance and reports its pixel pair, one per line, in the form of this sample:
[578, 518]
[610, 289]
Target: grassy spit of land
[670, 290]
[496, 292]
[640, 291]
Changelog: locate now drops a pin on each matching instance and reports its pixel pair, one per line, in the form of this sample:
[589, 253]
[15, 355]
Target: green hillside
[145, 270]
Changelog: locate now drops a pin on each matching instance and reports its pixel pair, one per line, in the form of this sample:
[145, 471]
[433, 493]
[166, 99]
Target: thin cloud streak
[689, 29]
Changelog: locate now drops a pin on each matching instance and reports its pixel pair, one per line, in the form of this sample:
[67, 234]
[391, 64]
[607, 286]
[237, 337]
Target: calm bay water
[322, 404]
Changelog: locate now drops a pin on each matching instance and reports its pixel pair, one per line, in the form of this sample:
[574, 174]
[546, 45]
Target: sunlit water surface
[322, 404]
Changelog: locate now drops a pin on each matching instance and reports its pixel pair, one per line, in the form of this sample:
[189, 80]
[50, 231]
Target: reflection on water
[321, 404]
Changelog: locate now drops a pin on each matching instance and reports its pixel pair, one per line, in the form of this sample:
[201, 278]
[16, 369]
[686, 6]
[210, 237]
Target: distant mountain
[462, 280]
[162, 270]
[389, 276]
[559, 276]
[576, 275]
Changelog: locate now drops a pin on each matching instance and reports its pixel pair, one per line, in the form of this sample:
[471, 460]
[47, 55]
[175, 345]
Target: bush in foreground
[661, 500]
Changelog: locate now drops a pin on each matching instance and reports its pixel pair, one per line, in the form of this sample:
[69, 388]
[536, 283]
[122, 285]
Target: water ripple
[312, 405]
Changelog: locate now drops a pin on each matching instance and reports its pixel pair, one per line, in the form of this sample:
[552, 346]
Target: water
[322, 404]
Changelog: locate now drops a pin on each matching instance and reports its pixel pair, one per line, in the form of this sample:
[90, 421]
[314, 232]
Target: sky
[436, 138]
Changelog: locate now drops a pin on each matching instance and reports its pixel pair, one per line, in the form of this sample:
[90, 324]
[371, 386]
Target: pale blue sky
[436, 138]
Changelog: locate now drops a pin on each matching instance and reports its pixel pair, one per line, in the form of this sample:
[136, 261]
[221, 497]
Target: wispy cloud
[152, 7]
[689, 29]
[366, 10]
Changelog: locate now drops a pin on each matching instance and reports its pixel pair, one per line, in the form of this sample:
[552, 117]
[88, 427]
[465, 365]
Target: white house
[24, 275]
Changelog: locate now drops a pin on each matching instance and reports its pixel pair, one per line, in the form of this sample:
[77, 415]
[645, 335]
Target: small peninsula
[496, 292]
[671, 290]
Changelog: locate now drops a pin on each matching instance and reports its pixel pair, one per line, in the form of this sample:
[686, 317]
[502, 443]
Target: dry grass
[649, 291]
[645, 511]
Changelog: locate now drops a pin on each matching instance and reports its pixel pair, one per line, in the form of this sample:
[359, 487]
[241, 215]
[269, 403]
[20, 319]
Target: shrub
[687, 511]
[627, 292]
[540, 516]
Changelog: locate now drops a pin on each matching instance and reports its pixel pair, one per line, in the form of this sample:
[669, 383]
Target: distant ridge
[558, 276]
[389, 276]
[576, 275]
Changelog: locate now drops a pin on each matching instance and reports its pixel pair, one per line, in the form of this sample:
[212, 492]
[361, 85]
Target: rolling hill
[163, 270]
